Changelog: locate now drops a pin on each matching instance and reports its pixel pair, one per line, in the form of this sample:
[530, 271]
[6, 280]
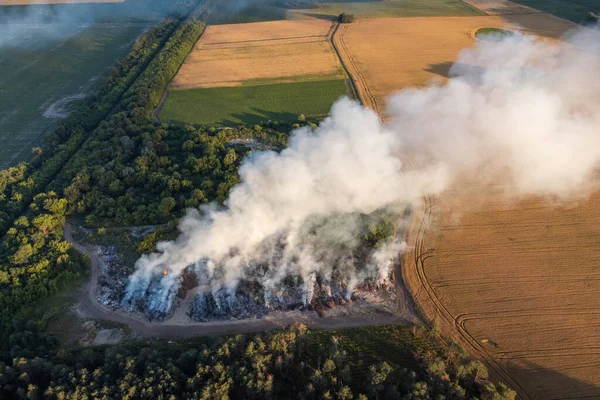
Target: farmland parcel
[247, 73]
[40, 79]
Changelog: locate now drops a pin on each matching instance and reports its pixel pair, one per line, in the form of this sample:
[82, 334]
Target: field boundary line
[205, 16]
[351, 80]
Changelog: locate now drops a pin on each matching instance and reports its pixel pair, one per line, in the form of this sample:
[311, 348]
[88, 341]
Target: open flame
[165, 272]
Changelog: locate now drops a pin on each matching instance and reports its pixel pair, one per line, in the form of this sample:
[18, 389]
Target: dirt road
[90, 307]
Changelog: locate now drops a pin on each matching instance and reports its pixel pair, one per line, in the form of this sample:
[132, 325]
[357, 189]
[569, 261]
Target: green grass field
[252, 104]
[40, 78]
[493, 34]
[390, 8]
[572, 10]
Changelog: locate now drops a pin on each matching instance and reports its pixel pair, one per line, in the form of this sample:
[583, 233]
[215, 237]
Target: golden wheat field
[517, 282]
[387, 54]
[279, 51]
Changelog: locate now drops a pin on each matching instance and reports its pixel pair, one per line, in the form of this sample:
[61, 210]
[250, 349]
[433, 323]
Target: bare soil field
[517, 282]
[278, 51]
[386, 54]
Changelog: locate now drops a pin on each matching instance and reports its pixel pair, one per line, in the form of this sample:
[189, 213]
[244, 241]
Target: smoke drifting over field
[524, 109]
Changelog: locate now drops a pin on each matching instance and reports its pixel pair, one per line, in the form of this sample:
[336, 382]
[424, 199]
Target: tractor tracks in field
[428, 302]
[89, 307]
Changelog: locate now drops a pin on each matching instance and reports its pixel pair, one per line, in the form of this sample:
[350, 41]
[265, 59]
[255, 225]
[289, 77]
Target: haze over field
[523, 108]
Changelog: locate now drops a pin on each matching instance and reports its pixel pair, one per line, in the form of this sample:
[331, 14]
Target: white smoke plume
[525, 109]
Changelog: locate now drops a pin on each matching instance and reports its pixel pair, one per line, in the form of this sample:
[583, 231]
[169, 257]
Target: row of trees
[290, 364]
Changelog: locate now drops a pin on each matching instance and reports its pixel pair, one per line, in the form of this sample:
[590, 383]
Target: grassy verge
[252, 104]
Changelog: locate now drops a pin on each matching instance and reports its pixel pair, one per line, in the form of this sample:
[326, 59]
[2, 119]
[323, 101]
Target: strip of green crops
[252, 104]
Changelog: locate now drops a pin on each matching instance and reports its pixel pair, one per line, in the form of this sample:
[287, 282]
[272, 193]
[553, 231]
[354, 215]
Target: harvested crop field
[249, 73]
[40, 78]
[252, 104]
[387, 54]
[390, 8]
[233, 55]
[518, 282]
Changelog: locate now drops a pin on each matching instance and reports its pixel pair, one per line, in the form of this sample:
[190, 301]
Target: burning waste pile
[295, 232]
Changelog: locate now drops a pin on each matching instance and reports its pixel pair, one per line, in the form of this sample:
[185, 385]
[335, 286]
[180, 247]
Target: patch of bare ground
[384, 55]
[278, 51]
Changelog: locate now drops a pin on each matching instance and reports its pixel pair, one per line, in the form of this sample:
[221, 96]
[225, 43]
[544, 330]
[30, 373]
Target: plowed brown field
[278, 51]
[387, 54]
[517, 282]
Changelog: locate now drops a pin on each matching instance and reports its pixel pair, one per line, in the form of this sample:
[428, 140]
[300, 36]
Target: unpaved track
[90, 307]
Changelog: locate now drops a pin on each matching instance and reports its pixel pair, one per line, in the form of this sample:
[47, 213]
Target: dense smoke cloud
[523, 109]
